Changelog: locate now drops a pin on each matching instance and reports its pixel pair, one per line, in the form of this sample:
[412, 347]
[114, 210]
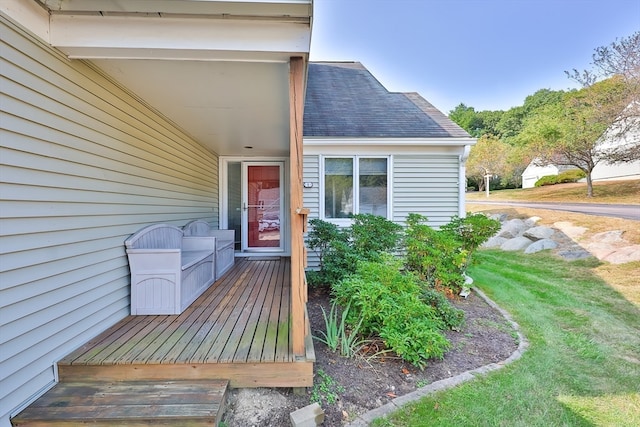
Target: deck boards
[242, 318]
[184, 403]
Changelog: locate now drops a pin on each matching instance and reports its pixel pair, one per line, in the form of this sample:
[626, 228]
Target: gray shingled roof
[343, 99]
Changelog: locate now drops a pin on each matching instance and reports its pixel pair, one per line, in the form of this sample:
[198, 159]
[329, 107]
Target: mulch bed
[362, 383]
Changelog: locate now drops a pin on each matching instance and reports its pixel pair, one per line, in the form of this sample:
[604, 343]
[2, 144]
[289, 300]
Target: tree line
[580, 128]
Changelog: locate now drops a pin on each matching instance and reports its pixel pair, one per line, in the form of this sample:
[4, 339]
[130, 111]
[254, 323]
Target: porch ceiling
[226, 106]
[219, 69]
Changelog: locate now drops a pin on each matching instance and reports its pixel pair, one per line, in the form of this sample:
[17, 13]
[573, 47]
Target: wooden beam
[298, 216]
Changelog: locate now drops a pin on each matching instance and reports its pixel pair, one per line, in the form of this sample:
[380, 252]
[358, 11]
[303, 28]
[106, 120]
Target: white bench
[225, 241]
[168, 270]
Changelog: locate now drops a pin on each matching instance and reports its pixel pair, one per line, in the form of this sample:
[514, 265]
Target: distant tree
[510, 124]
[569, 133]
[517, 161]
[467, 119]
[488, 156]
[490, 120]
[542, 98]
[621, 60]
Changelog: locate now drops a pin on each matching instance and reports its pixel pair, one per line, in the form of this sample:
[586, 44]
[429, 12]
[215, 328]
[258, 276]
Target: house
[534, 172]
[120, 114]
[630, 170]
[602, 171]
[117, 115]
[368, 150]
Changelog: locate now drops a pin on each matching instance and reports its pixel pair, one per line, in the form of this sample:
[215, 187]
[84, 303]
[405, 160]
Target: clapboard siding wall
[426, 184]
[311, 196]
[84, 165]
[421, 183]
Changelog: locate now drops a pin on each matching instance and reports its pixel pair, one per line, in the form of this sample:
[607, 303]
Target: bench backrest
[156, 236]
[197, 228]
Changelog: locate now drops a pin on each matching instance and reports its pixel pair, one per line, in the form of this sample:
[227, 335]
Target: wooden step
[133, 403]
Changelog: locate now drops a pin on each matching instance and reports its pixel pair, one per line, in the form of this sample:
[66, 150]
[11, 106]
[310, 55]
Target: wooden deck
[237, 330]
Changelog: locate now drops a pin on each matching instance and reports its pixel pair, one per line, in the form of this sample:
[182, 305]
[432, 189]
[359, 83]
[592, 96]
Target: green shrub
[471, 231]
[371, 235]
[547, 180]
[387, 302]
[437, 257]
[414, 339]
[571, 175]
[321, 234]
[441, 257]
[340, 250]
[340, 261]
[320, 238]
[451, 316]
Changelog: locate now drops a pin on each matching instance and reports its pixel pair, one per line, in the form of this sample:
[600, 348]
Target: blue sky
[489, 54]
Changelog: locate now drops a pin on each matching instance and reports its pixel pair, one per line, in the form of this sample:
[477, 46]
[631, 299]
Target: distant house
[533, 173]
[602, 171]
[368, 150]
[630, 170]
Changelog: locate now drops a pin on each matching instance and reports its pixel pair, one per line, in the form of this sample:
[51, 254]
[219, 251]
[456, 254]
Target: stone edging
[447, 383]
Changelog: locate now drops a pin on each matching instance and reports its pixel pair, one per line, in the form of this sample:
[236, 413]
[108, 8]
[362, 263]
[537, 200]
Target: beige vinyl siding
[425, 184]
[83, 165]
[311, 196]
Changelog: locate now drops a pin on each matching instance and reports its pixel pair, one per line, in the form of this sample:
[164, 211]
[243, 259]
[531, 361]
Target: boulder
[512, 228]
[530, 222]
[494, 242]
[502, 217]
[608, 237]
[625, 254]
[539, 233]
[516, 244]
[540, 245]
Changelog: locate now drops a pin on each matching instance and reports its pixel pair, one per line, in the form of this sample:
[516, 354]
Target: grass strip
[583, 364]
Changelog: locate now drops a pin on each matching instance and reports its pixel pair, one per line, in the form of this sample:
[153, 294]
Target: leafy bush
[340, 261]
[371, 235]
[451, 316]
[547, 180]
[387, 302]
[472, 231]
[441, 257]
[321, 236]
[572, 175]
[414, 339]
[437, 257]
[340, 250]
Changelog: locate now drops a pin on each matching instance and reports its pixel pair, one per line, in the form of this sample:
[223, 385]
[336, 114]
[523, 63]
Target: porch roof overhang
[217, 69]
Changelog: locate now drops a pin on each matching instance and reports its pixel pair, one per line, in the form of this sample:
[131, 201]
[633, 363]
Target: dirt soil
[362, 383]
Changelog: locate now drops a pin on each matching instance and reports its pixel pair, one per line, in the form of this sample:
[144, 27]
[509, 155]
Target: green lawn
[583, 364]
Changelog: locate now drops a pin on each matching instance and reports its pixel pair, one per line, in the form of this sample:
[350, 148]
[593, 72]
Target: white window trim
[356, 187]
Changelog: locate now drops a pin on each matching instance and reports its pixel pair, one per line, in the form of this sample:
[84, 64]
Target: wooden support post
[298, 214]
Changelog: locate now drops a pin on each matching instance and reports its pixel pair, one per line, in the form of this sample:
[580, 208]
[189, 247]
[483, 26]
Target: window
[355, 185]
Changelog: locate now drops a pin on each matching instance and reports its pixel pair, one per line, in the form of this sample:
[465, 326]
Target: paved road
[616, 211]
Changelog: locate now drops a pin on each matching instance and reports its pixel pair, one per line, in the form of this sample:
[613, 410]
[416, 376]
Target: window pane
[373, 186]
[338, 188]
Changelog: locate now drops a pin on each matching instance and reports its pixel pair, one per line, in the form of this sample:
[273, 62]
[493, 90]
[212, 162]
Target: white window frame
[356, 186]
